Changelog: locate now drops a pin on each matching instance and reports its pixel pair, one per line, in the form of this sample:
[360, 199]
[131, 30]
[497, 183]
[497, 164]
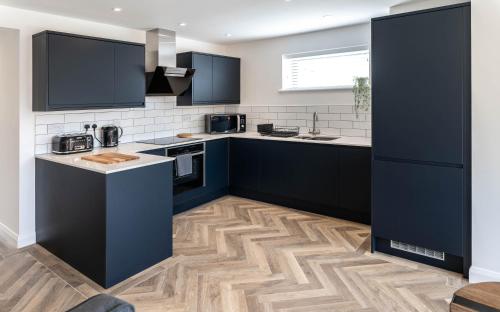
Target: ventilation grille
[429, 253]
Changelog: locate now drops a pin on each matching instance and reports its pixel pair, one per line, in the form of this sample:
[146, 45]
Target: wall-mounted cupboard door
[81, 72]
[73, 72]
[202, 80]
[226, 80]
[216, 79]
[129, 74]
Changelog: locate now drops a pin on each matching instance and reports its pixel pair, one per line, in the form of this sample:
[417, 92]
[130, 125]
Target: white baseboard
[26, 240]
[478, 275]
[10, 235]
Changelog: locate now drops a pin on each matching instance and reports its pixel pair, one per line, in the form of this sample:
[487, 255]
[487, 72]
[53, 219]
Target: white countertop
[75, 160]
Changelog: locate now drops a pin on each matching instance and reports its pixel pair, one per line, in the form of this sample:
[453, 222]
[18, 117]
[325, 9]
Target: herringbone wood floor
[239, 255]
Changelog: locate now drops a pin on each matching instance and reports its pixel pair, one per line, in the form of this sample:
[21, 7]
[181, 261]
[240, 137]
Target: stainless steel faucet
[314, 130]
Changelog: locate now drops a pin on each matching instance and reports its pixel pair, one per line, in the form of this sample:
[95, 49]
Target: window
[328, 69]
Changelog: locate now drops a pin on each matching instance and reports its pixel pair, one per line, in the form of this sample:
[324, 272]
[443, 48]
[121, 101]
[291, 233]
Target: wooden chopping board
[110, 158]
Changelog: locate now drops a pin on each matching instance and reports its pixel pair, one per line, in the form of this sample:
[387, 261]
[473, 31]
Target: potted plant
[362, 94]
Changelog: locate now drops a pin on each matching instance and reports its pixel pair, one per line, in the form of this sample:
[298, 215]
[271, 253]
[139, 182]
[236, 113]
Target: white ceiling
[211, 20]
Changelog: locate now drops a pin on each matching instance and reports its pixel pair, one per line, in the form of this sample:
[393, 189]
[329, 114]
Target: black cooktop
[168, 140]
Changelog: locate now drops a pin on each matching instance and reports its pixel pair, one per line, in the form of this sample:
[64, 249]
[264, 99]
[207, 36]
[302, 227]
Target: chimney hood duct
[162, 75]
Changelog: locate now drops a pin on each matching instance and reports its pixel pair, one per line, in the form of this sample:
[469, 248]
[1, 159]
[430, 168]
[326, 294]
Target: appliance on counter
[110, 135]
[163, 77]
[225, 123]
[72, 143]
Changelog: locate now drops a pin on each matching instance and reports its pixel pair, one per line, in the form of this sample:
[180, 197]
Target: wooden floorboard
[240, 255]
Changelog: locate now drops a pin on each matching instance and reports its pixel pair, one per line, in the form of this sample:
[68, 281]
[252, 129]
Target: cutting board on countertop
[110, 158]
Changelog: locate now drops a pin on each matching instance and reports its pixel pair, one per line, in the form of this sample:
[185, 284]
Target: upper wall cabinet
[72, 72]
[216, 79]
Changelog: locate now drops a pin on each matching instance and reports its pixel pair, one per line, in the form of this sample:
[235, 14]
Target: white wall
[261, 75]
[422, 5]
[485, 141]
[9, 126]
[261, 66]
[29, 23]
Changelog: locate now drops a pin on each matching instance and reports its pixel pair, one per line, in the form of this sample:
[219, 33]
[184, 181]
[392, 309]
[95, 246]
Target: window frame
[349, 49]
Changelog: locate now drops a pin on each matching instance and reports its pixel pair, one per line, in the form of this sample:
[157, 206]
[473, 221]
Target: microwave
[225, 123]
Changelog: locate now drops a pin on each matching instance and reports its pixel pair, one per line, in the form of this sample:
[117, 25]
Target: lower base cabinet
[320, 178]
[107, 226]
[326, 179]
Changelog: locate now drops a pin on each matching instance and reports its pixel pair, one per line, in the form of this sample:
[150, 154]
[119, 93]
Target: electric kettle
[110, 135]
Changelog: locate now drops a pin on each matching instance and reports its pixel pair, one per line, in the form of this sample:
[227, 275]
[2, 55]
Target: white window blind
[325, 69]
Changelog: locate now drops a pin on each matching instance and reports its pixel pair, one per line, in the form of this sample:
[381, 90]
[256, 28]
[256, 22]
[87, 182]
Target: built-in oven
[225, 123]
[189, 166]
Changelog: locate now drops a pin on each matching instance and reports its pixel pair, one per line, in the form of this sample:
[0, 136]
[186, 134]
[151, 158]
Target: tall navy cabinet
[421, 136]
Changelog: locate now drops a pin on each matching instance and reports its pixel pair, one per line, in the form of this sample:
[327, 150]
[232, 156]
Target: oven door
[224, 123]
[194, 180]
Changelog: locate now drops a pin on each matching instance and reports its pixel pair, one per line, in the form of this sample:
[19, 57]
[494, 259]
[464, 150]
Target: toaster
[72, 143]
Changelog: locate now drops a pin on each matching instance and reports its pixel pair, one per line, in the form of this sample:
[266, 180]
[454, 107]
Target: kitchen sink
[316, 138]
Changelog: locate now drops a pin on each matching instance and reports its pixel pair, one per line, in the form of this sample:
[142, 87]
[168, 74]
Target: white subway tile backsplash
[341, 124]
[277, 109]
[329, 116]
[108, 116]
[287, 116]
[153, 113]
[362, 125]
[260, 109]
[268, 115]
[144, 121]
[81, 117]
[49, 119]
[219, 110]
[352, 117]
[296, 123]
[342, 109]
[353, 132]
[41, 149]
[41, 129]
[318, 109]
[55, 128]
[296, 109]
[162, 118]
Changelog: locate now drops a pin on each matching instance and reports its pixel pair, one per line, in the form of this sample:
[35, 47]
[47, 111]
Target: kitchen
[189, 129]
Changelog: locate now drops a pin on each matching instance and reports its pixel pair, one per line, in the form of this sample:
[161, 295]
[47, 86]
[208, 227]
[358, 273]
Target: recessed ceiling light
[288, 0]
[182, 24]
[229, 35]
[117, 9]
[327, 17]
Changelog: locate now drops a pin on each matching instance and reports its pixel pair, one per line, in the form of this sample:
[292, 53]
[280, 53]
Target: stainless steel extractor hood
[162, 75]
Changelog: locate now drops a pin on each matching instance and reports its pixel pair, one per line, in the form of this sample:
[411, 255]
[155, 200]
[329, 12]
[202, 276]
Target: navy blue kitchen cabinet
[245, 166]
[215, 81]
[299, 173]
[226, 80]
[354, 180]
[421, 134]
[304, 176]
[157, 152]
[107, 226]
[72, 72]
[216, 178]
[129, 74]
